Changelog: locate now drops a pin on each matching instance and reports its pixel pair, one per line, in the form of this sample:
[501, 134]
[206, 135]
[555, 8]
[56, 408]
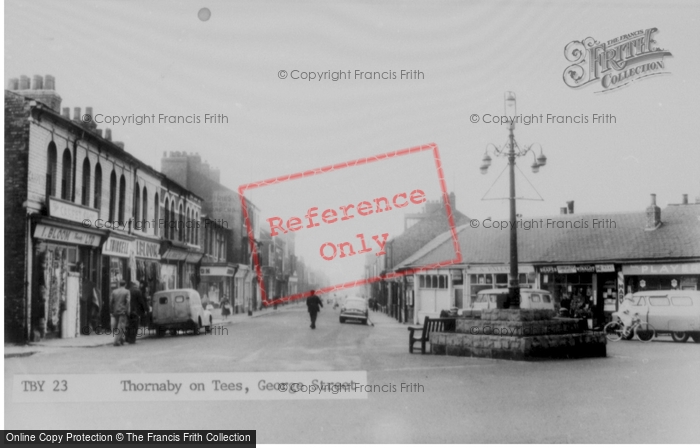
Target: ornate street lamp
[511, 150]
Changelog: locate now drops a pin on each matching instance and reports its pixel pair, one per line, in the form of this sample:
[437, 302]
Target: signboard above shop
[117, 247]
[574, 268]
[72, 212]
[498, 268]
[661, 269]
[52, 233]
[224, 271]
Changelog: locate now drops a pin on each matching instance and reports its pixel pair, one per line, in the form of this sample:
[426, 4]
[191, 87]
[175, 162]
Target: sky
[158, 57]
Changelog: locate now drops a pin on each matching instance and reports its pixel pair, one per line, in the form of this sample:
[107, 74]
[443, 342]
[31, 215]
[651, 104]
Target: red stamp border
[362, 161]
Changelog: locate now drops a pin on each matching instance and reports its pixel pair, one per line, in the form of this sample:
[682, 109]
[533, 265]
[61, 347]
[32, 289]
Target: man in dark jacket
[139, 308]
[119, 307]
[314, 304]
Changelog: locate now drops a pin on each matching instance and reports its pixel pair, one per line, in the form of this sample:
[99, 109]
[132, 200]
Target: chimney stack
[562, 210]
[653, 215]
[49, 82]
[66, 112]
[570, 205]
[38, 82]
[23, 82]
[76, 114]
[13, 84]
[108, 134]
[685, 199]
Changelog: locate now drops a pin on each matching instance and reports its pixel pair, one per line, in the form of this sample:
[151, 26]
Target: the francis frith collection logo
[615, 63]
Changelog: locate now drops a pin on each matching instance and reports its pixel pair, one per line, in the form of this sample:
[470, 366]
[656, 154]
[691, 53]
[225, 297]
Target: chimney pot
[562, 210]
[685, 199]
[37, 83]
[88, 110]
[76, 113]
[23, 82]
[66, 112]
[108, 134]
[653, 199]
[13, 84]
[99, 132]
[570, 205]
[49, 82]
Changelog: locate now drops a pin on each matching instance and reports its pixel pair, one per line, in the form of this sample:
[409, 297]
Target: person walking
[225, 308]
[138, 308]
[314, 305]
[119, 306]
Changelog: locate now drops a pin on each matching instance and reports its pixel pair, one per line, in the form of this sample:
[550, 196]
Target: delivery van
[179, 309]
[674, 312]
[536, 299]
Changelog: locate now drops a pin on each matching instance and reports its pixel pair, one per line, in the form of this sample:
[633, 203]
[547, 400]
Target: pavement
[100, 340]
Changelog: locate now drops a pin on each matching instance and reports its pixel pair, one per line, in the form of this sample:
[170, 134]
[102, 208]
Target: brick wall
[16, 163]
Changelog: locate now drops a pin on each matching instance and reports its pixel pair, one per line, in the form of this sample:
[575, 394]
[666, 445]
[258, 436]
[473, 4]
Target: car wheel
[364, 321]
[342, 320]
[680, 336]
[160, 332]
[173, 332]
[696, 337]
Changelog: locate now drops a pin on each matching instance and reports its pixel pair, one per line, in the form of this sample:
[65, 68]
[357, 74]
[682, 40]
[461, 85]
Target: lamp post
[511, 150]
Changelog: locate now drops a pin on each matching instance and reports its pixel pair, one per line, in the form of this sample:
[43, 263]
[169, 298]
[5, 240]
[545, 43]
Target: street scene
[462, 399]
[335, 223]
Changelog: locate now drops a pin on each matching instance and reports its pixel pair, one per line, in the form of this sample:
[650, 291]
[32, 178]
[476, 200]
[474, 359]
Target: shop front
[480, 277]
[148, 267]
[645, 277]
[216, 282]
[171, 267]
[584, 290]
[64, 274]
[117, 265]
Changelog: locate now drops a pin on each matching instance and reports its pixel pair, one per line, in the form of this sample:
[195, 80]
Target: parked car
[674, 312]
[538, 299]
[354, 308]
[179, 309]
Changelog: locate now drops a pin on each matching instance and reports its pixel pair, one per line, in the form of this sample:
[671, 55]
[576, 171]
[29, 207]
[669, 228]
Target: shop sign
[456, 275]
[146, 249]
[51, 233]
[216, 270]
[548, 269]
[71, 212]
[661, 269]
[605, 268]
[566, 269]
[117, 247]
[585, 268]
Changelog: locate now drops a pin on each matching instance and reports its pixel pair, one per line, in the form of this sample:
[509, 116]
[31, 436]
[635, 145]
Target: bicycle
[616, 330]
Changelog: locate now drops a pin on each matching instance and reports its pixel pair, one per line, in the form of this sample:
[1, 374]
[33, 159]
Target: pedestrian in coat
[120, 307]
[139, 309]
[314, 305]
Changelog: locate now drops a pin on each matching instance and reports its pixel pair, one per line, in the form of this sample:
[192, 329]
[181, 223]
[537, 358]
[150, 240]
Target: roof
[614, 237]
[418, 235]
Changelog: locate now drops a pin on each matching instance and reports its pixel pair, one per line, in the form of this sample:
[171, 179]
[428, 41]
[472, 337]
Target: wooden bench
[439, 325]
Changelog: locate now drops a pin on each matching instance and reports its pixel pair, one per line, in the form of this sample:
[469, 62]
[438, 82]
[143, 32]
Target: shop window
[66, 176]
[502, 278]
[172, 223]
[442, 282]
[112, 195]
[421, 281]
[659, 301]
[681, 301]
[51, 168]
[137, 203]
[98, 187]
[86, 183]
[122, 197]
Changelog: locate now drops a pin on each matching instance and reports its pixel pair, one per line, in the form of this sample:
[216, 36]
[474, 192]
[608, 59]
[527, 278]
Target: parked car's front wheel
[680, 336]
[342, 320]
[696, 337]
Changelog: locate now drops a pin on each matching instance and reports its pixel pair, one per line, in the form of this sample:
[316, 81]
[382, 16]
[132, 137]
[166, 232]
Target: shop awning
[193, 257]
[174, 254]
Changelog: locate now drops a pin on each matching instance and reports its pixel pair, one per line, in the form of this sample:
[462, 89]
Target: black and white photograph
[351, 222]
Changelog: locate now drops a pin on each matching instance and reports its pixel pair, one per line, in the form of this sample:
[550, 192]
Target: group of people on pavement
[129, 309]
